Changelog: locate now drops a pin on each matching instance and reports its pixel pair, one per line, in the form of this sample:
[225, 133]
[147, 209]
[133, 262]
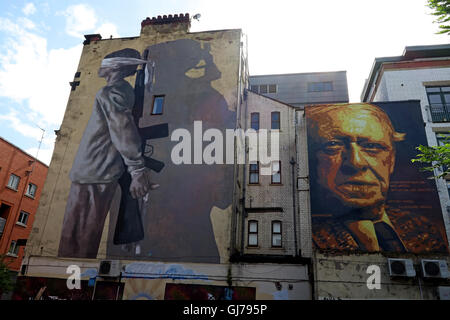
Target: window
[253, 233]
[320, 86]
[276, 172]
[254, 88]
[272, 88]
[263, 88]
[439, 99]
[13, 182]
[158, 102]
[276, 233]
[255, 120]
[275, 120]
[254, 173]
[23, 218]
[31, 190]
[448, 186]
[13, 248]
[441, 138]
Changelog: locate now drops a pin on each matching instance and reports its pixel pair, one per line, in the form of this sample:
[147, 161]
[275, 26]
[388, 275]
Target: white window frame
[23, 216]
[255, 233]
[15, 249]
[11, 182]
[32, 195]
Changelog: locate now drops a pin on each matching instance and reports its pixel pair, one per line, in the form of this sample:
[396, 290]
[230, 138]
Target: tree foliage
[435, 157]
[441, 9]
[6, 283]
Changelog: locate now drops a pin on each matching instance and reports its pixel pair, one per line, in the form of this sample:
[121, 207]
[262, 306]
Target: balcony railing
[440, 112]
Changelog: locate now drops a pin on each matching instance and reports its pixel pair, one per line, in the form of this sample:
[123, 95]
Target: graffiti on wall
[366, 195]
[179, 291]
[157, 209]
[36, 288]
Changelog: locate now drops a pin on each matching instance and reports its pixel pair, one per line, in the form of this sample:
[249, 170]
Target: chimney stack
[166, 24]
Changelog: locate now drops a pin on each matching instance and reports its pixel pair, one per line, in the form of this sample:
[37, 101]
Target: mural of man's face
[355, 156]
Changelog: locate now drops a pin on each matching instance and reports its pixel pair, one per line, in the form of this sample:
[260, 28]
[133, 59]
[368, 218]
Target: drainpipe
[292, 162]
[244, 181]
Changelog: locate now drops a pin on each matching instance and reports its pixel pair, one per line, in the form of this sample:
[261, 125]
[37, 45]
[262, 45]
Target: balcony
[440, 112]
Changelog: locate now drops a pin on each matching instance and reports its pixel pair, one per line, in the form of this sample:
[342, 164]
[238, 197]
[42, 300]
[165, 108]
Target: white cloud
[17, 124]
[29, 9]
[79, 19]
[43, 154]
[29, 72]
[107, 30]
[26, 23]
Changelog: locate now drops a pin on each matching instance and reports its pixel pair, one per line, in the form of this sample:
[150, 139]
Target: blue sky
[41, 42]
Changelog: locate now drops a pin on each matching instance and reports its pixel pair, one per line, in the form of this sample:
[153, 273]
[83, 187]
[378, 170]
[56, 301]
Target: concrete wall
[345, 277]
[147, 280]
[293, 88]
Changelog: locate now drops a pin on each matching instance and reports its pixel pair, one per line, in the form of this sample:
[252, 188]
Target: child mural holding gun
[110, 152]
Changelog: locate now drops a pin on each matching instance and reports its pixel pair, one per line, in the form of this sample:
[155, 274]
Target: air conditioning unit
[401, 268]
[109, 268]
[435, 269]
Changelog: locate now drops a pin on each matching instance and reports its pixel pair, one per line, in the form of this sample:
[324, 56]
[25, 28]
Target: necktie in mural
[388, 238]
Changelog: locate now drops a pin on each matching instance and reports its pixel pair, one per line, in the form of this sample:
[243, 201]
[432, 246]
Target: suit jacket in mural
[417, 233]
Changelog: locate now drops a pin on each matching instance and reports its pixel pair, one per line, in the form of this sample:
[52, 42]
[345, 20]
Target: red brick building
[21, 181]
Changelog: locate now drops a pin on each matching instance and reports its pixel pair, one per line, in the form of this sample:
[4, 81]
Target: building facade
[22, 180]
[421, 73]
[300, 89]
[180, 240]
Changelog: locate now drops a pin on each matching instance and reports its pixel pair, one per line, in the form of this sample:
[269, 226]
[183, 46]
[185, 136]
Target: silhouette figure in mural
[178, 226]
[352, 150]
[110, 152]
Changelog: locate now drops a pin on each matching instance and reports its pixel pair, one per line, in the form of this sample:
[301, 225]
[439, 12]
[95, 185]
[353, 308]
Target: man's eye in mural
[373, 147]
[333, 147]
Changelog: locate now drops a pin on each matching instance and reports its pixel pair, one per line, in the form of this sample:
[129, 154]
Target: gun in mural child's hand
[129, 227]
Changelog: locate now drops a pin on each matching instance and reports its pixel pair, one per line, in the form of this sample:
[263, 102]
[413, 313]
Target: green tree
[435, 157]
[6, 283]
[441, 9]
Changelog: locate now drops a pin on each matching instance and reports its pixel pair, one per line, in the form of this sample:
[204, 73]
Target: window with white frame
[276, 172]
[253, 233]
[13, 248]
[13, 181]
[276, 234]
[31, 190]
[23, 218]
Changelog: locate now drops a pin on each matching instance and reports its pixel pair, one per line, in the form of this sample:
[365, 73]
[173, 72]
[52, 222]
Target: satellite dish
[197, 16]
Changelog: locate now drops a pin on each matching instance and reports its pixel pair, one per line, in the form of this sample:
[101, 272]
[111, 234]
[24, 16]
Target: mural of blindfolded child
[110, 147]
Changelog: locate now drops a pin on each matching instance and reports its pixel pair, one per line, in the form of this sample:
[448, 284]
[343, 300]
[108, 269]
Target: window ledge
[254, 184]
[21, 224]
[12, 255]
[29, 196]
[12, 188]
[276, 184]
